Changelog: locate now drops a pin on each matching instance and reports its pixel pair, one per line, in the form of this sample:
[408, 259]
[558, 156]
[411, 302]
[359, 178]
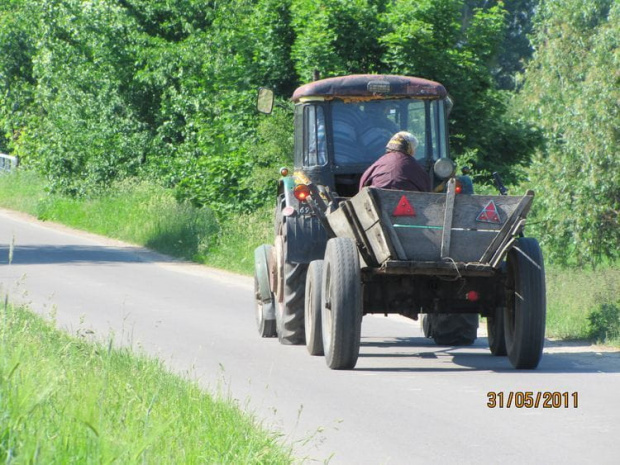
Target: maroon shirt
[396, 170]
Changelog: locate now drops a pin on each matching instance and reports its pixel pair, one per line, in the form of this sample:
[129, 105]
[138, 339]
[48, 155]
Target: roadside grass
[65, 400]
[584, 304]
[239, 236]
[581, 304]
[140, 213]
[22, 191]
[149, 215]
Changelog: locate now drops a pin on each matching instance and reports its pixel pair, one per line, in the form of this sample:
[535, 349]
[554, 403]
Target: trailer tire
[341, 304]
[312, 308]
[495, 332]
[451, 329]
[524, 318]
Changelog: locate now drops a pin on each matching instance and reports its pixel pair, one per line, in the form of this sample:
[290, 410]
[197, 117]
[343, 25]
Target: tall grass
[22, 191]
[239, 236]
[149, 215]
[575, 300]
[63, 400]
[141, 213]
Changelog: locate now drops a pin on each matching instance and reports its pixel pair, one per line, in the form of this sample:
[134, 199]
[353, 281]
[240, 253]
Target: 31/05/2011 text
[531, 399]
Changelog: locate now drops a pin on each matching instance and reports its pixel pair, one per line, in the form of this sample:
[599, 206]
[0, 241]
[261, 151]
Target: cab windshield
[361, 130]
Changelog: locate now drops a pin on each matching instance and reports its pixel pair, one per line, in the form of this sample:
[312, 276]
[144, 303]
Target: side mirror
[264, 103]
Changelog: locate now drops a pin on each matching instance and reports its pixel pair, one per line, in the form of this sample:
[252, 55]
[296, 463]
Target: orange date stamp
[532, 399]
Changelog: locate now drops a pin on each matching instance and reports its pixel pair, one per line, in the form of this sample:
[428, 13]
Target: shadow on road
[47, 255]
[417, 354]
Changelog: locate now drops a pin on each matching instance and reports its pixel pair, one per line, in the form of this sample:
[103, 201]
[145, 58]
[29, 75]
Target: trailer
[415, 253]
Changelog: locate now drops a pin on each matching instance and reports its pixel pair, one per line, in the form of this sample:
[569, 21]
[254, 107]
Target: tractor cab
[343, 124]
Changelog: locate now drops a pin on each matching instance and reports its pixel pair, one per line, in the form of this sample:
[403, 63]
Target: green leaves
[572, 91]
[432, 38]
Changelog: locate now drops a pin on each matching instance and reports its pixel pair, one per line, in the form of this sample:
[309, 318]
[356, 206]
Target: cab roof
[370, 86]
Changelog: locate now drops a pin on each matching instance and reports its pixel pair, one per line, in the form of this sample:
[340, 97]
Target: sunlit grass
[149, 215]
[63, 400]
[22, 191]
[140, 213]
[240, 235]
[574, 295]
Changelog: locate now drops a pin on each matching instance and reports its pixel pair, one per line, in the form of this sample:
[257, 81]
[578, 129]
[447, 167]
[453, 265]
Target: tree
[336, 37]
[17, 82]
[572, 91]
[434, 39]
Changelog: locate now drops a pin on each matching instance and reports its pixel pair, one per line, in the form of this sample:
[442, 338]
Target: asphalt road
[407, 402]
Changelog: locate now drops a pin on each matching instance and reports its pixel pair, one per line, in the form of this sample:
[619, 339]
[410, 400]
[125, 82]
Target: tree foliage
[572, 90]
[106, 89]
[433, 38]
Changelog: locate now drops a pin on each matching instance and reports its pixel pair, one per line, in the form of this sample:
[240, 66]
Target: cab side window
[315, 146]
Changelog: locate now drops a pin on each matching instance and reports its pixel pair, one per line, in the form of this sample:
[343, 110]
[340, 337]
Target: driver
[398, 169]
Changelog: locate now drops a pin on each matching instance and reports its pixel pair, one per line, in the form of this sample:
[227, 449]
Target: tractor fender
[262, 257]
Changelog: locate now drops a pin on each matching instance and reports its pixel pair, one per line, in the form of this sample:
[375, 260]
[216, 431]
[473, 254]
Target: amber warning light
[301, 192]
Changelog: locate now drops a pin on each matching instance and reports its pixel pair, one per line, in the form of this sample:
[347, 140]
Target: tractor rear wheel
[291, 286]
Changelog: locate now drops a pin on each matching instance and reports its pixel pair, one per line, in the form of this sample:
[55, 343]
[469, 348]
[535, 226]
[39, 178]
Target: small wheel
[266, 328]
[495, 332]
[341, 304]
[312, 318]
[524, 318]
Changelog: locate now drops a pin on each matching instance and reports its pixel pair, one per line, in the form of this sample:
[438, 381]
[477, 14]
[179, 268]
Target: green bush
[604, 323]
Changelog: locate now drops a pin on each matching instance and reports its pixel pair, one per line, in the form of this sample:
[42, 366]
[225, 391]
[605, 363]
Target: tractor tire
[526, 306]
[451, 329]
[291, 286]
[495, 332]
[312, 317]
[341, 304]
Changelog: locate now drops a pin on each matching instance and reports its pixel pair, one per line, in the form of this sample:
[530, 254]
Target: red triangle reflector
[489, 214]
[403, 208]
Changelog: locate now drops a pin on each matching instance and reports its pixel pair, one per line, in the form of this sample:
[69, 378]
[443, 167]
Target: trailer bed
[429, 233]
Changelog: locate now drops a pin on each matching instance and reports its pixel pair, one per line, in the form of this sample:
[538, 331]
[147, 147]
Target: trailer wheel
[451, 329]
[312, 317]
[341, 304]
[495, 332]
[524, 318]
